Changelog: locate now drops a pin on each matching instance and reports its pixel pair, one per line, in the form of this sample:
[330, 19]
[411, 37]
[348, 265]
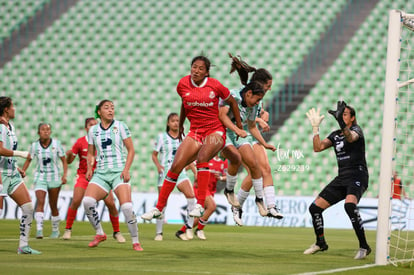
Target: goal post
[396, 79]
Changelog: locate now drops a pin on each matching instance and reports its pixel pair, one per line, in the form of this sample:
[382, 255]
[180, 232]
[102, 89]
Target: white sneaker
[362, 253]
[67, 234]
[158, 237]
[189, 233]
[273, 212]
[197, 212]
[237, 215]
[200, 234]
[181, 235]
[152, 214]
[118, 236]
[261, 206]
[315, 248]
[231, 197]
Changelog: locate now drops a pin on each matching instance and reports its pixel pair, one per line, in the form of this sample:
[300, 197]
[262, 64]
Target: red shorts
[200, 134]
[81, 181]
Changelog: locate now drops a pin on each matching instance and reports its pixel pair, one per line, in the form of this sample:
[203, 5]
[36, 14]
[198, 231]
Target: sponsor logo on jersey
[200, 104]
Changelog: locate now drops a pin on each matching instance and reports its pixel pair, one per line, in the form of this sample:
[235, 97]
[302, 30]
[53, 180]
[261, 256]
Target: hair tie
[96, 112]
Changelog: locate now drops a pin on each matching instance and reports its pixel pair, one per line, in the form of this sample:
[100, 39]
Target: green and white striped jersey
[8, 166]
[49, 164]
[166, 146]
[109, 144]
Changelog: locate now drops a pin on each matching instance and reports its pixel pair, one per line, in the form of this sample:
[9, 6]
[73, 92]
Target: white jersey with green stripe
[48, 160]
[246, 113]
[166, 146]
[109, 144]
[8, 166]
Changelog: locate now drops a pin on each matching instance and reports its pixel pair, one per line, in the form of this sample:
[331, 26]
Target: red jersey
[396, 194]
[216, 166]
[201, 102]
[80, 148]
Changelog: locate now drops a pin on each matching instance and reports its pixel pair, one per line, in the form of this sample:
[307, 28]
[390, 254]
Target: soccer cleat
[118, 236]
[261, 207]
[27, 250]
[200, 234]
[39, 234]
[152, 214]
[54, 235]
[237, 215]
[137, 247]
[273, 212]
[98, 239]
[231, 198]
[158, 237]
[67, 234]
[316, 248]
[362, 253]
[181, 235]
[197, 212]
[189, 233]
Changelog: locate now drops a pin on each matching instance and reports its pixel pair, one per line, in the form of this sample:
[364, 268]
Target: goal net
[395, 228]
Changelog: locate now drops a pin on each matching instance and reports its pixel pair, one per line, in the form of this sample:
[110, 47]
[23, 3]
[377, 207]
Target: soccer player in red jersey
[218, 169]
[200, 96]
[80, 148]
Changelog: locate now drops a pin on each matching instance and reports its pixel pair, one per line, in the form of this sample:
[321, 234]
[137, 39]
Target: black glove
[340, 108]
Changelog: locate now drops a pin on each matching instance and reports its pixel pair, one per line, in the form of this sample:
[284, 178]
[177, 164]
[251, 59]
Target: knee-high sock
[353, 213]
[158, 226]
[25, 223]
[39, 216]
[89, 204]
[131, 221]
[270, 197]
[191, 202]
[317, 221]
[115, 222]
[71, 216]
[168, 185]
[242, 196]
[258, 187]
[203, 178]
[230, 181]
[55, 223]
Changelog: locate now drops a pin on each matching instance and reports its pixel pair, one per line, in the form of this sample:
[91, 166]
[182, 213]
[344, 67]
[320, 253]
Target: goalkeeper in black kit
[352, 180]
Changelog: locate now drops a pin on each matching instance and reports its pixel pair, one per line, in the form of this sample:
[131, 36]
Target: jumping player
[80, 148]
[200, 97]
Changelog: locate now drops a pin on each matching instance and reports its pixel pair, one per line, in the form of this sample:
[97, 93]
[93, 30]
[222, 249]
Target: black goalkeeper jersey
[350, 156]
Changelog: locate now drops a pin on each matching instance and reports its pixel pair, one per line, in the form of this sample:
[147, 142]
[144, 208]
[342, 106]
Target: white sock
[191, 203]
[39, 217]
[25, 223]
[1, 211]
[89, 204]
[269, 193]
[131, 221]
[55, 223]
[158, 226]
[242, 196]
[230, 181]
[258, 187]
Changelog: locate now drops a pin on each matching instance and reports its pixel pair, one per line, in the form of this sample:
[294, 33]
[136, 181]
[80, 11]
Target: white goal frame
[388, 131]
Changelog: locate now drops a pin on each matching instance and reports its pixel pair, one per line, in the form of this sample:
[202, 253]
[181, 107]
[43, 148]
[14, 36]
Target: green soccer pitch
[227, 251]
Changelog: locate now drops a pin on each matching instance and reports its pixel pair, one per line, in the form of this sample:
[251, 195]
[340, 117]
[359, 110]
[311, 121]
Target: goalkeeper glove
[315, 119]
[341, 105]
